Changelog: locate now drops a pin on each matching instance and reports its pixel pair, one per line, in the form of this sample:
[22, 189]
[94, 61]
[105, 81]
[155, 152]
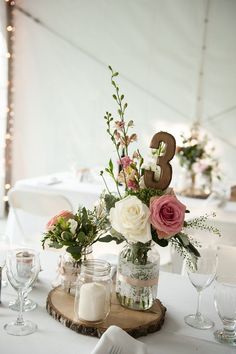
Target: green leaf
[122, 97]
[161, 242]
[111, 165]
[55, 245]
[66, 236]
[193, 250]
[115, 97]
[74, 250]
[184, 239]
[109, 238]
[81, 236]
[110, 201]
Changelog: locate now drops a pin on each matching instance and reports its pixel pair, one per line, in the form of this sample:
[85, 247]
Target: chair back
[32, 210]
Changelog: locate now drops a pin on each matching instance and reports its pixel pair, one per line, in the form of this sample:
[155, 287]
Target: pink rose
[66, 214]
[167, 215]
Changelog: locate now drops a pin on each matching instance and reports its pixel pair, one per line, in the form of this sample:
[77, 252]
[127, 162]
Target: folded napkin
[115, 336]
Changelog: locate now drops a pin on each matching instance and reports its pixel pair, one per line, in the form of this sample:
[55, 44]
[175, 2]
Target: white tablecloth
[175, 292]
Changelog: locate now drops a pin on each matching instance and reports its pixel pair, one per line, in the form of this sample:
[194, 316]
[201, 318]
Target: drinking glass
[225, 303]
[28, 304]
[201, 278]
[22, 268]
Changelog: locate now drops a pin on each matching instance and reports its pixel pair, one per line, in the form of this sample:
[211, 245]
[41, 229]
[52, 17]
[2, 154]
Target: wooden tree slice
[60, 306]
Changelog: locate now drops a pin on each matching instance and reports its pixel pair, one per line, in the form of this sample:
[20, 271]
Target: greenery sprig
[200, 223]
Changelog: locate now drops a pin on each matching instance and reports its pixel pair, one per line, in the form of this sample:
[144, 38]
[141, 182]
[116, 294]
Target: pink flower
[126, 161]
[66, 214]
[167, 215]
[133, 137]
[119, 124]
[132, 185]
[117, 135]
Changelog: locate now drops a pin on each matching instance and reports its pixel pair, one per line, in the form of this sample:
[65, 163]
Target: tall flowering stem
[118, 130]
[122, 107]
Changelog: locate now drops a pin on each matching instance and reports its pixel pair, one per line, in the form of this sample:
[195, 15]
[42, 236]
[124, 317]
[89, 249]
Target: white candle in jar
[24, 263]
[92, 302]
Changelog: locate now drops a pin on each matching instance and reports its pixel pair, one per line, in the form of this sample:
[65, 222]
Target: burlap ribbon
[137, 282]
[68, 271]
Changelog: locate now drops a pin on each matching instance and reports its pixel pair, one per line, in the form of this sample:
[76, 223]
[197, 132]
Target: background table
[175, 291]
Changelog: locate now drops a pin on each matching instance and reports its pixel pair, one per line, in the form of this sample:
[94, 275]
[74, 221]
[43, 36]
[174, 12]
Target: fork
[115, 350]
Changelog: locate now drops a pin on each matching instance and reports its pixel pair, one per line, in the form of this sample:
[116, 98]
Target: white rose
[73, 225]
[130, 217]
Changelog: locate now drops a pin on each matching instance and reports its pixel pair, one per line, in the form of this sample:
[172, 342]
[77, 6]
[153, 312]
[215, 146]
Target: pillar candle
[92, 302]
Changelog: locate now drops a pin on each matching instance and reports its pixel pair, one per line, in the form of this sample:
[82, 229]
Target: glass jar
[93, 292]
[69, 269]
[137, 275]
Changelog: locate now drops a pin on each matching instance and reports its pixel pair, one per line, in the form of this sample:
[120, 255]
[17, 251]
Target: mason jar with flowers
[75, 233]
[144, 213]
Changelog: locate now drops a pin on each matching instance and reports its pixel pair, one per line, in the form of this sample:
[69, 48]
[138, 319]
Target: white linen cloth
[115, 336]
[175, 292]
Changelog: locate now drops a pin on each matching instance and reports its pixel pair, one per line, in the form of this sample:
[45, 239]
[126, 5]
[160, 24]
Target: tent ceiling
[156, 46]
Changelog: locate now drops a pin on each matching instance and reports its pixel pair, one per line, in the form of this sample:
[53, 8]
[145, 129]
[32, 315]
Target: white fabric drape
[62, 84]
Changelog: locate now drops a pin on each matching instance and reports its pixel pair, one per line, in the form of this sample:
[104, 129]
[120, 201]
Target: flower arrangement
[75, 232]
[139, 214]
[196, 155]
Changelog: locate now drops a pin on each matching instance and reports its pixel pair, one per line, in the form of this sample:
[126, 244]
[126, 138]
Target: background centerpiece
[197, 156]
[144, 212]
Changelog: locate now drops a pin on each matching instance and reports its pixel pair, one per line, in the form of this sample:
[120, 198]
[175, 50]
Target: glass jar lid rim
[97, 265]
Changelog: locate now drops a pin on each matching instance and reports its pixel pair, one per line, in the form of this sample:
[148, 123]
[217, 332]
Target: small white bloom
[130, 217]
[152, 166]
[100, 208]
[73, 225]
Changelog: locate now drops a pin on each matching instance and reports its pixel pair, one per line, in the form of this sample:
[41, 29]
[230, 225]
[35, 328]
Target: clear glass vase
[69, 269]
[137, 275]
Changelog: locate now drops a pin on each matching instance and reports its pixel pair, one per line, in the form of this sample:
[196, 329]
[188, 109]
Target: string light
[10, 29]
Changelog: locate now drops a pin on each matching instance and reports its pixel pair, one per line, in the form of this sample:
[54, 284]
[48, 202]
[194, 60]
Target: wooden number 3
[162, 161]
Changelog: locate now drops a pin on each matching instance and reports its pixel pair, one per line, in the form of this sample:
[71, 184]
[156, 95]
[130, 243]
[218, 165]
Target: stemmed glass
[22, 268]
[28, 304]
[201, 278]
[225, 303]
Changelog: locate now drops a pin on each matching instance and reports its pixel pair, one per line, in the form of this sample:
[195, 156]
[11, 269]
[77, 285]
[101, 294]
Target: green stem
[122, 111]
[104, 181]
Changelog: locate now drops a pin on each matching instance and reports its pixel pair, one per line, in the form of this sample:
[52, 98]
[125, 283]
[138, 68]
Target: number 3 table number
[163, 161]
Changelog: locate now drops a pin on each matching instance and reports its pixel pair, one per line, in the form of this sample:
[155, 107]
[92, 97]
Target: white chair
[226, 262]
[31, 211]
